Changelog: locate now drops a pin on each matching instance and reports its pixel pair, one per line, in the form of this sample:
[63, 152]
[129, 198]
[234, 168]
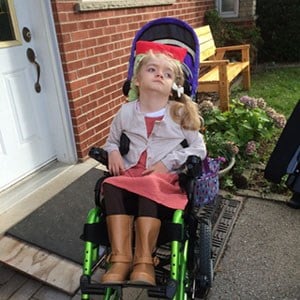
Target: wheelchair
[184, 268]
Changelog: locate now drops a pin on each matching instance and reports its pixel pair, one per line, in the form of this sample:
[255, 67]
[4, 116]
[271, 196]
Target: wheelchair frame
[190, 273]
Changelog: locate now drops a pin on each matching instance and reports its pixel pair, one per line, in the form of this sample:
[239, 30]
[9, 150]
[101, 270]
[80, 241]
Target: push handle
[31, 57]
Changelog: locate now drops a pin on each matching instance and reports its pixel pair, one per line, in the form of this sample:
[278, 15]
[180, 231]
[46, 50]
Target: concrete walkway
[262, 259]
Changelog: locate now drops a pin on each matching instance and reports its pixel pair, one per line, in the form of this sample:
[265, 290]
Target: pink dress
[162, 188]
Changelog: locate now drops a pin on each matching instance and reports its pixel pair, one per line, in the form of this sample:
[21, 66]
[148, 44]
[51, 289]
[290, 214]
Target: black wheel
[203, 263]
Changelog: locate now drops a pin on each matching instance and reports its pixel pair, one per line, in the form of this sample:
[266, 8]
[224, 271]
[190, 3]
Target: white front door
[31, 110]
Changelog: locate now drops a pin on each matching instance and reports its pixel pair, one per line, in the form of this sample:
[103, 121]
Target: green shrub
[227, 34]
[280, 27]
[241, 130]
[247, 131]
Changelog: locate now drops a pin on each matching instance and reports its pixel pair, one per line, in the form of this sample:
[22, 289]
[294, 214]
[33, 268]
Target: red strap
[173, 51]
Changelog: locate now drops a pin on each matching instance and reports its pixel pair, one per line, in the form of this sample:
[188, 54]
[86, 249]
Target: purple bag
[206, 187]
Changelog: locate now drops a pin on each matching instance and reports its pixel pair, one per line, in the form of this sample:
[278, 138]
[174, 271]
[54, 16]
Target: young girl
[144, 187]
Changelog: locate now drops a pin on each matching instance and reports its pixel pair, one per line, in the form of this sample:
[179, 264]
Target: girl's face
[156, 74]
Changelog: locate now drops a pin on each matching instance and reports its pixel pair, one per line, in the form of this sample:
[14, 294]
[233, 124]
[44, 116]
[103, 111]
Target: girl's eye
[168, 75]
[151, 69]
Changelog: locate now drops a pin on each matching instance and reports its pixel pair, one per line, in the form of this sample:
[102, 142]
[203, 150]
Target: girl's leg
[119, 226]
[118, 201]
[147, 227]
[120, 206]
[149, 208]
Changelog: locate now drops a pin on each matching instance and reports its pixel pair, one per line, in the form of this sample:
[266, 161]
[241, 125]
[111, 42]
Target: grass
[279, 87]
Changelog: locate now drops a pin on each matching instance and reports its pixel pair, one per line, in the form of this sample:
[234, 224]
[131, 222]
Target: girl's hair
[183, 111]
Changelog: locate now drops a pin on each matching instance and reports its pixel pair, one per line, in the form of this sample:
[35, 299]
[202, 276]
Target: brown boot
[146, 234]
[119, 229]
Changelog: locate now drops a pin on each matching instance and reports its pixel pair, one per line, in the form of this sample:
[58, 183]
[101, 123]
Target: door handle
[31, 57]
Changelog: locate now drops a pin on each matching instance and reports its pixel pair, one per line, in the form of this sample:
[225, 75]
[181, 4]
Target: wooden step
[40, 264]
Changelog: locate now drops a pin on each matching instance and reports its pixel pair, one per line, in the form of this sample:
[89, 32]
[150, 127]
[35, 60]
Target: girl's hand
[156, 168]
[115, 163]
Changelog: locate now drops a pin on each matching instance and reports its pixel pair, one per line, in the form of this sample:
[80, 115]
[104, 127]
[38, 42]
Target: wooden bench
[216, 72]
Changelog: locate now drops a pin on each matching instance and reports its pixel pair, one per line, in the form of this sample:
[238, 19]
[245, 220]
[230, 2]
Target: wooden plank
[211, 76]
[233, 69]
[206, 42]
[48, 293]
[8, 289]
[5, 274]
[203, 30]
[27, 290]
[208, 87]
[206, 51]
[204, 38]
[40, 264]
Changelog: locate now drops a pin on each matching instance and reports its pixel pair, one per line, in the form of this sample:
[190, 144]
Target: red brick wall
[95, 48]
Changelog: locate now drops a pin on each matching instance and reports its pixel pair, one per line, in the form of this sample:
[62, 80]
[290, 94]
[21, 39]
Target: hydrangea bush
[242, 130]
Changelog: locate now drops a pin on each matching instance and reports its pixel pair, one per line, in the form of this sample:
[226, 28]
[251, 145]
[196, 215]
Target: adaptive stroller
[185, 263]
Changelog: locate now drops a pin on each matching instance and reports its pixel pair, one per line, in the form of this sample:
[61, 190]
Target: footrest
[87, 287]
[167, 291]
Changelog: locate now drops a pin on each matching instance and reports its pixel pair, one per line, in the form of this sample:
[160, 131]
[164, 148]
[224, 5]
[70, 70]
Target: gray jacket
[162, 145]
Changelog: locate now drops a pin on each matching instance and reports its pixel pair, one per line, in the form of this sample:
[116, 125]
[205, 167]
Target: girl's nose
[159, 74]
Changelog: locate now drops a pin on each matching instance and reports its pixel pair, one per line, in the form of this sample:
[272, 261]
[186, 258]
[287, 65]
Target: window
[9, 32]
[228, 8]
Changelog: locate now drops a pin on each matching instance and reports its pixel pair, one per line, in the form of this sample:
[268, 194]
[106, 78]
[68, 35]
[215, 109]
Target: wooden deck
[17, 286]
[40, 264]
[30, 273]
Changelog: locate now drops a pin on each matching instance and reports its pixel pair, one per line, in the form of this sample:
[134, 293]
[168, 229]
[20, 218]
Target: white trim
[17, 41]
[228, 14]
[60, 113]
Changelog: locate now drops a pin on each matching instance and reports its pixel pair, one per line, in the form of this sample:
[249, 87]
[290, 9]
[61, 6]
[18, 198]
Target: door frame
[59, 110]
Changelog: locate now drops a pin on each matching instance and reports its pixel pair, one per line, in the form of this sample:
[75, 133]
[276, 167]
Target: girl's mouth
[158, 81]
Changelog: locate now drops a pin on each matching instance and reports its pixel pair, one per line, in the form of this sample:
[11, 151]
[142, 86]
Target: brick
[88, 61]
[88, 89]
[73, 65]
[74, 85]
[80, 102]
[71, 76]
[74, 94]
[70, 56]
[88, 108]
[84, 72]
[96, 95]
[101, 23]
[79, 35]
[68, 27]
[72, 46]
